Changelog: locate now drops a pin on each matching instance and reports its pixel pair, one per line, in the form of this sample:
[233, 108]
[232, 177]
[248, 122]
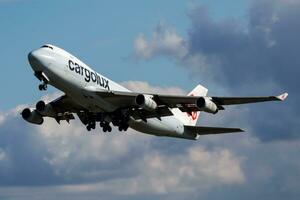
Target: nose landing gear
[43, 86]
[42, 77]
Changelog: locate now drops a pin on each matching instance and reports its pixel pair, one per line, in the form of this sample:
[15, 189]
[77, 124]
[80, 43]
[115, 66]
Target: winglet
[282, 97]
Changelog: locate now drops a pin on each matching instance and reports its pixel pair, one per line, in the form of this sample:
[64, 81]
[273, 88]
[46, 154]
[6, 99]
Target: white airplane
[95, 98]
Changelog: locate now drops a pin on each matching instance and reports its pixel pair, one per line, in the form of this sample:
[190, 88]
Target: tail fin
[190, 119]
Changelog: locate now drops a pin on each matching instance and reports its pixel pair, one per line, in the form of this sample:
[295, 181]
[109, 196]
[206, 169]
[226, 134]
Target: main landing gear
[123, 127]
[90, 126]
[105, 121]
[105, 126]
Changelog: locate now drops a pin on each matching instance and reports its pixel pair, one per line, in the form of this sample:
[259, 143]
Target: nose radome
[39, 59]
[33, 57]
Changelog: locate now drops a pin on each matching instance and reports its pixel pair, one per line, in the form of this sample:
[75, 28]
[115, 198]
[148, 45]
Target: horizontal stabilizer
[204, 130]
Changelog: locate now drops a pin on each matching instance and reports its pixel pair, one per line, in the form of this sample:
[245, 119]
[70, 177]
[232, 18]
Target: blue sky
[245, 47]
[101, 33]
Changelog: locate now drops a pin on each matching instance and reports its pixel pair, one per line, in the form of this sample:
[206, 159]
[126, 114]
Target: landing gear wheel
[126, 128]
[102, 124]
[88, 128]
[43, 86]
[123, 127]
[104, 129]
[93, 125]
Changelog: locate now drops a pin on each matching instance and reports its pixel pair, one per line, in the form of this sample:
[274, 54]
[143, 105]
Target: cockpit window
[46, 46]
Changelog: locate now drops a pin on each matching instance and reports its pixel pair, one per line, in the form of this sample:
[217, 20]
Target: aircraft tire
[102, 124]
[88, 128]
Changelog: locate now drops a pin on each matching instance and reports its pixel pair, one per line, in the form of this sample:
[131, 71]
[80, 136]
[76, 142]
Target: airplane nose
[39, 59]
[33, 57]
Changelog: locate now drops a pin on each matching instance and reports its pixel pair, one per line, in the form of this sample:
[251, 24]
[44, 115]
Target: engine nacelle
[146, 102]
[45, 109]
[32, 116]
[207, 105]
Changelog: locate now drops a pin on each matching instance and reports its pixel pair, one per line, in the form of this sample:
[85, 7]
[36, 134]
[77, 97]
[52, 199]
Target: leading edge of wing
[205, 130]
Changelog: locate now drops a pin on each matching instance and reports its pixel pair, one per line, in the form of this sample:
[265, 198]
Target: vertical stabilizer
[191, 118]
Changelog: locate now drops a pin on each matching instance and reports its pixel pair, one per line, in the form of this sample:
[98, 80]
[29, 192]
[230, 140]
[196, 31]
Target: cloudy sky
[244, 47]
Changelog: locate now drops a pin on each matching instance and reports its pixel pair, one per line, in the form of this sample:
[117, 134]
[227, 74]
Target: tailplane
[194, 132]
[190, 118]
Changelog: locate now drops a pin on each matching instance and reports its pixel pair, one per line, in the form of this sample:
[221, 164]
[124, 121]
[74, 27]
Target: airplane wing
[244, 100]
[63, 109]
[184, 103]
[204, 130]
[65, 104]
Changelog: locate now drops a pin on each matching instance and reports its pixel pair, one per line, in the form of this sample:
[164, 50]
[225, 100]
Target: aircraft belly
[167, 126]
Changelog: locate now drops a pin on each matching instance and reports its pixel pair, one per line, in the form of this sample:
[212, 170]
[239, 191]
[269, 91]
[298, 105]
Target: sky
[245, 47]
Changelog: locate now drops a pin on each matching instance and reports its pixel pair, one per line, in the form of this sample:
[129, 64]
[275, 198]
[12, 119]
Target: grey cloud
[265, 49]
[232, 166]
[72, 164]
[257, 58]
[66, 157]
[53, 154]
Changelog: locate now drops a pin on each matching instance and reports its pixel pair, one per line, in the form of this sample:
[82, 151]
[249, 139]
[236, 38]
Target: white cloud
[2, 118]
[71, 151]
[71, 146]
[158, 173]
[141, 86]
[122, 164]
[195, 168]
[164, 41]
[2, 154]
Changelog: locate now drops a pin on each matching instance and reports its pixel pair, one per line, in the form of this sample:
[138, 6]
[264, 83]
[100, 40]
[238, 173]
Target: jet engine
[45, 109]
[32, 116]
[146, 102]
[207, 105]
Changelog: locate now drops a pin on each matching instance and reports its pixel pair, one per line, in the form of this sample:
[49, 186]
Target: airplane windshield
[46, 46]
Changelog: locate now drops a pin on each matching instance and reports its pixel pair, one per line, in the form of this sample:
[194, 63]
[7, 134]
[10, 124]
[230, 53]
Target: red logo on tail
[194, 114]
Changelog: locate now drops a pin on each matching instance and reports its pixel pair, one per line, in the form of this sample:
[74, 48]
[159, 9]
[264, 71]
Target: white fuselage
[76, 79]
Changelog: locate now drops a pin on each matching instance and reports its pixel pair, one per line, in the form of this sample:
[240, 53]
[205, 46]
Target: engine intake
[207, 105]
[45, 109]
[32, 116]
[146, 102]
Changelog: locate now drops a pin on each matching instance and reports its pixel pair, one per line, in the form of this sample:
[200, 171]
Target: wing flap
[162, 111]
[205, 130]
